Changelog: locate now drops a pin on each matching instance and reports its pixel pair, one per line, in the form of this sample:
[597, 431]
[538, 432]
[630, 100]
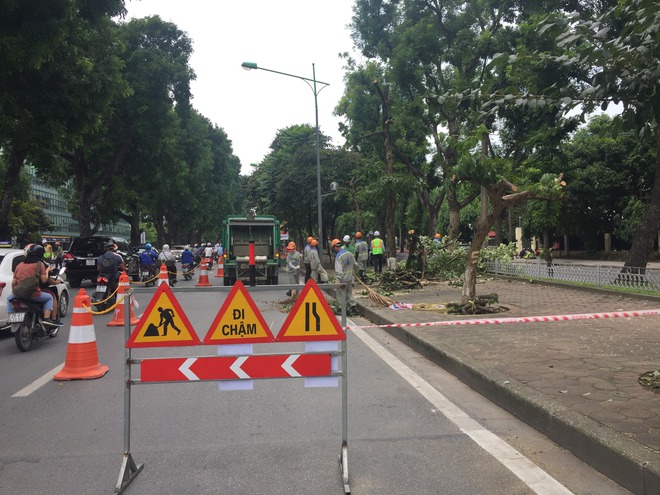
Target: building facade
[64, 226]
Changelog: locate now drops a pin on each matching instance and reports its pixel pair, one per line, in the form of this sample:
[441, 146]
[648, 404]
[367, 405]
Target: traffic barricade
[237, 326]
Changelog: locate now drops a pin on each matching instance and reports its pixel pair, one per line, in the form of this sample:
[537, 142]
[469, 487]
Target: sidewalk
[575, 381]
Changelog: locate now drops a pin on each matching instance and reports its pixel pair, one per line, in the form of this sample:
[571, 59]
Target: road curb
[618, 457]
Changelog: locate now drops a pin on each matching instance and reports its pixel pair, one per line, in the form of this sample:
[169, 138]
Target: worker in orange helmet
[361, 255]
[293, 261]
[318, 272]
[308, 267]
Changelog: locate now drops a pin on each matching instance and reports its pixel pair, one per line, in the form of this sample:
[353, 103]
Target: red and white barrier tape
[522, 319]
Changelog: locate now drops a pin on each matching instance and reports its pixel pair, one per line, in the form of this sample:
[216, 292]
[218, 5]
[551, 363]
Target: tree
[618, 55]
[46, 42]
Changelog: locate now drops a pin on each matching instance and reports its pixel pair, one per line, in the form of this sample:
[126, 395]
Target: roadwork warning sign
[239, 321]
[311, 318]
[163, 324]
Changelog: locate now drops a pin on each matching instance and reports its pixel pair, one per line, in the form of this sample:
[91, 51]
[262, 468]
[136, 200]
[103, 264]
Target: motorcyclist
[208, 253]
[169, 259]
[28, 268]
[110, 264]
[187, 258]
[148, 258]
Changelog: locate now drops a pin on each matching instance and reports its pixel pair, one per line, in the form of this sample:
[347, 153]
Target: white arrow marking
[288, 365]
[185, 369]
[236, 367]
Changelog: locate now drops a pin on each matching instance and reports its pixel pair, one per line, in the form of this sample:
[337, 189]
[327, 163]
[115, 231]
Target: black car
[80, 259]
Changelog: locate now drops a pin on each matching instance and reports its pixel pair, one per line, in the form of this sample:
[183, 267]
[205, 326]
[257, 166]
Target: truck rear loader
[238, 232]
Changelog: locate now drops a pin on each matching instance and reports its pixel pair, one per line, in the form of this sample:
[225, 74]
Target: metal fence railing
[596, 275]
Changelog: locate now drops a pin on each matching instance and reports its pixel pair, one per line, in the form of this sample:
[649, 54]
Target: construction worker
[361, 255]
[318, 274]
[377, 249]
[347, 244]
[308, 268]
[293, 260]
[344, 267]
[437, 238]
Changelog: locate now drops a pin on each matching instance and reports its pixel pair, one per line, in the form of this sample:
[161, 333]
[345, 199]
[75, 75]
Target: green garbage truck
[238, 233]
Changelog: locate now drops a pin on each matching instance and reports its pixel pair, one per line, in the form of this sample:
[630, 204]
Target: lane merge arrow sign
[311, 318]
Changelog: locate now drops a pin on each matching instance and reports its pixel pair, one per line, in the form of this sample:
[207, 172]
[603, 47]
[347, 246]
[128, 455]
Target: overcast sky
[283, 35]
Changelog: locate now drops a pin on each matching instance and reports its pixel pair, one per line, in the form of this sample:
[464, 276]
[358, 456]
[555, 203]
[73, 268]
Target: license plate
[16, 317]
[101, 288]
[90, 262]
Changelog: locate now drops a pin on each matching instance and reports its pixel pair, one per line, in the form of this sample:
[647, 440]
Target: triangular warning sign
[163, 324]
[311, 318]
[238, 321]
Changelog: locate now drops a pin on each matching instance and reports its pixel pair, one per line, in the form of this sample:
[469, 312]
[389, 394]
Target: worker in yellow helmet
[344, 267]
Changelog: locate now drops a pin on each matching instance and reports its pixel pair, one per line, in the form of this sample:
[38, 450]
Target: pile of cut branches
[400, 279]
[480, 306]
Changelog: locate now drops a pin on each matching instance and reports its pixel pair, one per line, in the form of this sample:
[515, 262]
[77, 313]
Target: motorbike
[171, 272]
[26, 322]
[148, 274]
[133, 267]
[188, 270]
[102, 291]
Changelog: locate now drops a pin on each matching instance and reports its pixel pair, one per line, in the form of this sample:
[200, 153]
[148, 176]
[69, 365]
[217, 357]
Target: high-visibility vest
[377, 246]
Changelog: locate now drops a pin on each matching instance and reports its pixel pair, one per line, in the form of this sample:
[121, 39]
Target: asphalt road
[411, 427]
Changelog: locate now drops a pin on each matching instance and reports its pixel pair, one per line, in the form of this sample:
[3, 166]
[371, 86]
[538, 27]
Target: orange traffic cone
[163, 277]
[203, 275]
[221, 268]
[118, 320]
[82, 356]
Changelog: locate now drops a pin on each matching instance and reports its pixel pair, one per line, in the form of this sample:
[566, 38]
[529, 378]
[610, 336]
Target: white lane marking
[532, 475]
[288, 365]
[186, 371]
[236, 367]
[39, 382]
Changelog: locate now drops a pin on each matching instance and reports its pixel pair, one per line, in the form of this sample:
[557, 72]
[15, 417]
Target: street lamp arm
[252, 65]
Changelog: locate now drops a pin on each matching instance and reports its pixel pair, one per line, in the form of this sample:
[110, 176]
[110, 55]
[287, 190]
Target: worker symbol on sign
[166, 319]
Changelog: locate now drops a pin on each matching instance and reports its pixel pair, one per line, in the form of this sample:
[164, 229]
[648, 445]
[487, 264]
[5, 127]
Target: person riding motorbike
[187, 259]
[32, 265]
[169, 259]
[148, 258]
[110, 264]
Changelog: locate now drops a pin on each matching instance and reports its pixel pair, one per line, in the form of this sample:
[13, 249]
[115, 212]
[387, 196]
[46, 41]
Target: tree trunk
[390, 197]
[10, 185]
[646, 232]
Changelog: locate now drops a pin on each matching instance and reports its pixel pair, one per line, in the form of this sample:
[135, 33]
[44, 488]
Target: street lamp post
[313, 86]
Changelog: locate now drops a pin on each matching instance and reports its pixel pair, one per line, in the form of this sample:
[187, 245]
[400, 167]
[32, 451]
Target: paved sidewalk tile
[576, 380]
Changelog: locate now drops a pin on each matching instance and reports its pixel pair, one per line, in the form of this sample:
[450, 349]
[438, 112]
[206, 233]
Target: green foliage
[504, 253]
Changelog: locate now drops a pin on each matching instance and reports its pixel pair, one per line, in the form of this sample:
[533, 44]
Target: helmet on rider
[110, 246]
[335, 243]
[26, 249]
[166, 247]
[291, 246]
[147, 246]
[208, 244]
[36, 250]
